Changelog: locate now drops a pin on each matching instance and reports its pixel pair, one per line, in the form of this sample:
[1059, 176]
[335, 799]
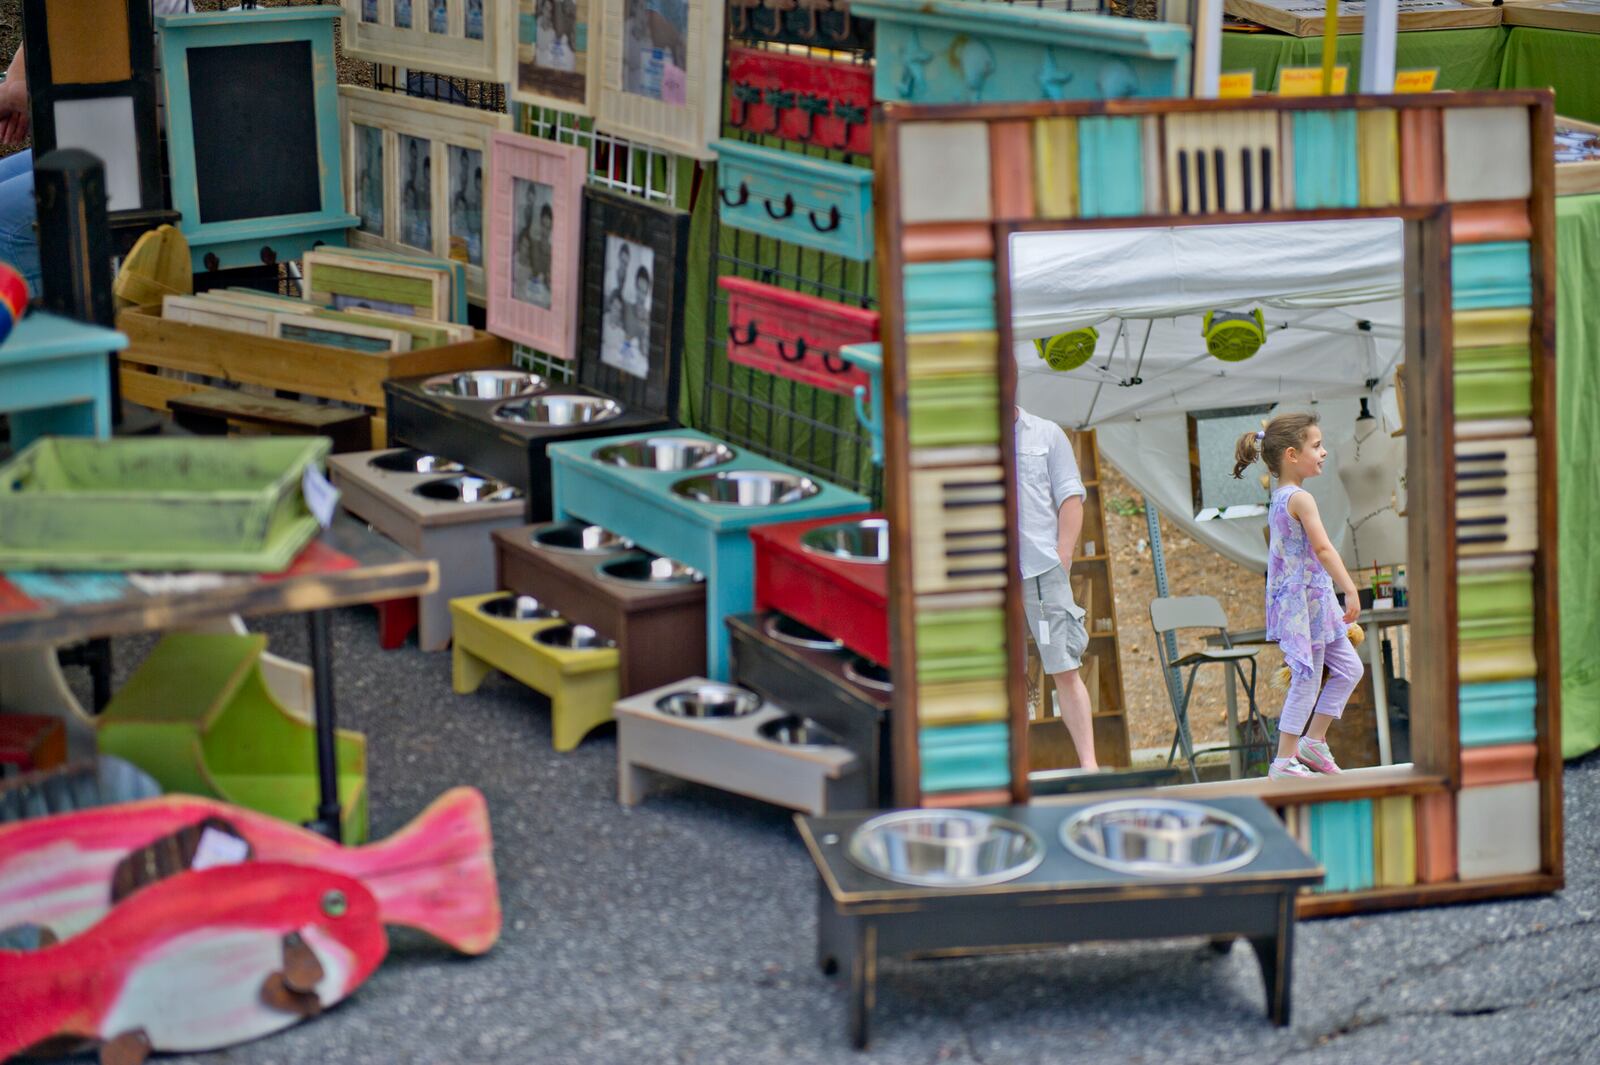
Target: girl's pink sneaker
[1315, 754]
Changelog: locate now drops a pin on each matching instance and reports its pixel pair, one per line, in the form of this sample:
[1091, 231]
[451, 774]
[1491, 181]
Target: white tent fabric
[1331, 296]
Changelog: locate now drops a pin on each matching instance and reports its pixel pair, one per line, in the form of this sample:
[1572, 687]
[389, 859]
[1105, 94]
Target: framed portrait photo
[535, 221]
[557, 55]
[416, 175]
[635, 257]
[661, 73]
[462, 38]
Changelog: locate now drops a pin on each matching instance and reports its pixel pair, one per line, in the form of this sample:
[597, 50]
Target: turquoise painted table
[54, 378]
[639, 503]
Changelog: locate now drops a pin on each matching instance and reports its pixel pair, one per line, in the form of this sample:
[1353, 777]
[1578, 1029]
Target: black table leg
[327, 821]
[863, 982]
[1276, 955]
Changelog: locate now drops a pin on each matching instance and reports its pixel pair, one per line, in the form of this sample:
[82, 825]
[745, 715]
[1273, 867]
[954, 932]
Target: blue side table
[54, 380]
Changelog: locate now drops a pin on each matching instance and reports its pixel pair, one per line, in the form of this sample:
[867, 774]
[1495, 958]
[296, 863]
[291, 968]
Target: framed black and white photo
[535, 218]
[635, 257]
[557, 54]
[466, 204]
[473, 39]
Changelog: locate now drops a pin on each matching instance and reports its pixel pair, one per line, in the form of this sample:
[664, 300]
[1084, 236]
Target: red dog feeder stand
[829, 574]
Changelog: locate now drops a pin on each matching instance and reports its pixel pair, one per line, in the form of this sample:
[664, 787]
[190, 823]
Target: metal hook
[742, 97]
[834, 363]
[813, 107]
[744, 196]
[799, 350]
[780, 102]
[844, 21]
[777, 23]
[788, 209]
[738, 18]
[833, 220]
[749, 333]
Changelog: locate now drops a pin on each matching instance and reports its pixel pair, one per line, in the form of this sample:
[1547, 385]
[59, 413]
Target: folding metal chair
[1176, 613]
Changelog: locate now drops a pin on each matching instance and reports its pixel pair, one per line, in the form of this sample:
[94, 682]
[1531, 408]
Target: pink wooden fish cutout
[436, 874]
[201, 960]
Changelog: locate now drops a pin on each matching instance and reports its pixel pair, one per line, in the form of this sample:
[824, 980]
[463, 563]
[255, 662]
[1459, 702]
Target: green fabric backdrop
[1578, 474]
[1568, 62]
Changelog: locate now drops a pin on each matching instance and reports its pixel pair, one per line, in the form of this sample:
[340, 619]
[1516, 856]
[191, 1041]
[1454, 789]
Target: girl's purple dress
[1302, 611]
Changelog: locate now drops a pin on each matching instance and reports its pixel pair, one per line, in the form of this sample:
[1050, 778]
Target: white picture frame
[650, 100]
[540, 78]
[371, 32]
[450, 135]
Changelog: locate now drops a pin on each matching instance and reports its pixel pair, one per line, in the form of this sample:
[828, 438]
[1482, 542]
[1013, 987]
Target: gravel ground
[682, 931]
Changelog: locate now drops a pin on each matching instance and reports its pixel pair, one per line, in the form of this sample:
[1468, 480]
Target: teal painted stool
[54, 378]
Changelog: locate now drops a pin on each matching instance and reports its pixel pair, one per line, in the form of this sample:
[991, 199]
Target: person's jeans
[19, 245]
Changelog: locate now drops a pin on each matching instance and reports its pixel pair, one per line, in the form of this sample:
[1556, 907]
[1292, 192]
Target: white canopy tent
[1331, 295]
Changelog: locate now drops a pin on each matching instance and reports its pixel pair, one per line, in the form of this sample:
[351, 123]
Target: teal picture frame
[272, 237]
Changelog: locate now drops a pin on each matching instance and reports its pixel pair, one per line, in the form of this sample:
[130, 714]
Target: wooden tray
[1304, 18]
[310, 369]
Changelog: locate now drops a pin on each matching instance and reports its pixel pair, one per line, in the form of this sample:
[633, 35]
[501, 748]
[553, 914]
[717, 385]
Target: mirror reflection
[1210, 453]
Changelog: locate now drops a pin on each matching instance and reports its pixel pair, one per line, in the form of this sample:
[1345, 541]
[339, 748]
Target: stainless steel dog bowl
[865, 541]
[747, 488]
[1161, 837]
[795, 731]
[666, 453]
[484, 384]
[787, 630]
[558, 410]
[710, 700]
[517, 608]
[468, 489]
[580, 539]
[410, 460]
[869, 674]
[945, 848]
[573, 638]
[653, 570]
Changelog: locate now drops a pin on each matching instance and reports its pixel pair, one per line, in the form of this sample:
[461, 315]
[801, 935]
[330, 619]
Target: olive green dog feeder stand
[198, 717]
[580, 683]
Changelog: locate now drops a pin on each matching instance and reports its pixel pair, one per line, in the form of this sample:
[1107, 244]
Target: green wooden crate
[157, 503]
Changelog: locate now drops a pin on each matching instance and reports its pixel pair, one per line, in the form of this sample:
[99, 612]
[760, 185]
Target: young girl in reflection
[1302, 613]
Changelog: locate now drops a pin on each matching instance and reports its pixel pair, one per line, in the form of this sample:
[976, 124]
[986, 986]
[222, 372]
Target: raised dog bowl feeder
[1150, 837]
[516, 608]
[807, 677]
[647, 569]
[575, 666]
[579, 538]
[945, 848]
[505, 435]
[831, 576]
[659, 625]
[869, 674]
[410, 460]
[558, 410]
[447, 519]
[484, 384]
[467, 489]
[797, 731]
[728, 737]
[928, 882]
[701, 519]
[667, 453]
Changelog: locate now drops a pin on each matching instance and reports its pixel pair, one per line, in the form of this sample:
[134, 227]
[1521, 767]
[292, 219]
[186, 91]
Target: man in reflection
[1050, 497]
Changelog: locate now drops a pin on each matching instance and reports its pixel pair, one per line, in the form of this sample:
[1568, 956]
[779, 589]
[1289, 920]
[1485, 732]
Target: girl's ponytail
[1245, 453]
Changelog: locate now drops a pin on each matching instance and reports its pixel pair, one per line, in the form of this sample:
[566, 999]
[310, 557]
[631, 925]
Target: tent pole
[1152, 521]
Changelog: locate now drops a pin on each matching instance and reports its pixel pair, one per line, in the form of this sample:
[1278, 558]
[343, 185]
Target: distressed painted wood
[1499, 327]
[951, 297]
[794, 198]
[1055, 167]
[54, 380]
[947, 242]
[1481, 223]
[944, 51]
[1378, 161]
[436, 874]
[1436, 837]
[1506, 764]
[794, 335]
[1326, 166]
[1111, 167]
[1497, 830]
[1494, 713]
[959, 529]
[965, 757]
[1495, 274]
[1421, 156]
[1496, 485]
[513, 161]
[1494, 382]
[479, 50]
[1223, 163]
[800, 98]
[1495, 604]
[1341, 839]
[945, 172]
[1394, 841]
[199, 961]
[1486, 153]
[844, 599]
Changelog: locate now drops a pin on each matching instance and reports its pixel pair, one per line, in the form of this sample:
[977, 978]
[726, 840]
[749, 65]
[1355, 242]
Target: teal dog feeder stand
[699, 514]
[55, 379]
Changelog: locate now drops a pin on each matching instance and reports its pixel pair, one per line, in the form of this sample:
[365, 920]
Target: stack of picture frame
[1478, 812]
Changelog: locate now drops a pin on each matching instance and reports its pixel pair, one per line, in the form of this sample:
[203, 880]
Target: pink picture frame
[535, 221]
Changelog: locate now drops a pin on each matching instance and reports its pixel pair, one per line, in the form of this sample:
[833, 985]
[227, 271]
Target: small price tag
[1236, 83]
[320, 494]
[1044, 632]
[1415, 80]
[1307, 81]
[219, 848]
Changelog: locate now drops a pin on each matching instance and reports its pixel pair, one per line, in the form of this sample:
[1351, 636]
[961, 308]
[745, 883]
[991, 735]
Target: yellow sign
[1307, 81]
[1236, 83]
[1415, 80]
